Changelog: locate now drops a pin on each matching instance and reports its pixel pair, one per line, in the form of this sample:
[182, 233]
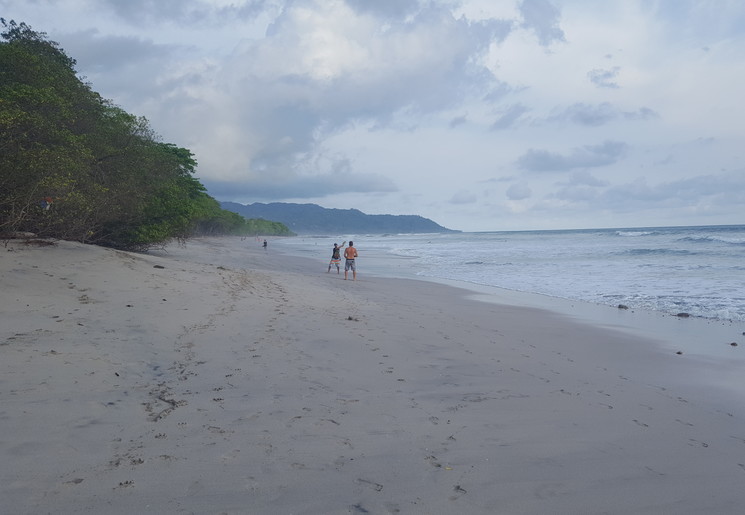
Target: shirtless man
[349, 254]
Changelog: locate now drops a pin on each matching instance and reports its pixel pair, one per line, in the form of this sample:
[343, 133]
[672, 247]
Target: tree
[44, 111]
[74, 166]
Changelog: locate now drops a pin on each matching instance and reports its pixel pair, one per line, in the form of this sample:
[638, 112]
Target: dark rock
[623, 306]
[682, 315]
[734, 344]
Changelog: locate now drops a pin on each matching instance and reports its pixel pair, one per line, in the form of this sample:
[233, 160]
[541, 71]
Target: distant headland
[314, 219]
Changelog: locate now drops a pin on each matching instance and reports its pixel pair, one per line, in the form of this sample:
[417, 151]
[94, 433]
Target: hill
[314, 219]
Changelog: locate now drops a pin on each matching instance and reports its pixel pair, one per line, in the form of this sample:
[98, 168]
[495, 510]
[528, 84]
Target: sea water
[699, 271]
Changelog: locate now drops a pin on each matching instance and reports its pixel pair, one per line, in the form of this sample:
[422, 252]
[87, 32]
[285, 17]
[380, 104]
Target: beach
[221, 377]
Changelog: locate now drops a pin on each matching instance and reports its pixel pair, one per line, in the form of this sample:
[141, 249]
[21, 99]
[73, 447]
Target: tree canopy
[74, 166]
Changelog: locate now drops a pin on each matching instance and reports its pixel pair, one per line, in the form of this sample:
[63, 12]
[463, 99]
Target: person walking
[336, 257]
[350, 253]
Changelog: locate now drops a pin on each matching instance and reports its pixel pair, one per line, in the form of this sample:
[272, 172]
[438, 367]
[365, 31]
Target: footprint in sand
[433, 461]
[372, 484]
[459, 492]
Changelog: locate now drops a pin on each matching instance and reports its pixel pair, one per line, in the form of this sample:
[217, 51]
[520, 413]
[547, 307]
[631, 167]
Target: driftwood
[28, 238]
[16, 235]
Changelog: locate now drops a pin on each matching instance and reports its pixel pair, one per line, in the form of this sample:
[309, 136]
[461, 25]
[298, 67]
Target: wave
[696, 270]
[713, 239]
[634, 233]
[647, 252]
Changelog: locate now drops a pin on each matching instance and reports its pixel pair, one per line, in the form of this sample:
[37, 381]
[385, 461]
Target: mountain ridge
[315, 219]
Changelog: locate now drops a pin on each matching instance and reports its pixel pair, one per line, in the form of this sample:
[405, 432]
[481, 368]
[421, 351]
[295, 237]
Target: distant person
[265, 243]
[336, 257]
[349, 254]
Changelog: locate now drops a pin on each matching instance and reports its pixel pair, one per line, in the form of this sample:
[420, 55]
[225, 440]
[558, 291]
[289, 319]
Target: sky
[482, 115]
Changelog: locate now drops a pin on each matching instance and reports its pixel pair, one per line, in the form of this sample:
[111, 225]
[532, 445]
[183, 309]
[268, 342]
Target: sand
[220, 377]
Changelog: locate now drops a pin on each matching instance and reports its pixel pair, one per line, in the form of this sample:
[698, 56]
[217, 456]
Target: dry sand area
[220, 378]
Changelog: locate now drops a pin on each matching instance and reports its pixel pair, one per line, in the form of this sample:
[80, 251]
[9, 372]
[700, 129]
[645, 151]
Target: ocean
[699, 270]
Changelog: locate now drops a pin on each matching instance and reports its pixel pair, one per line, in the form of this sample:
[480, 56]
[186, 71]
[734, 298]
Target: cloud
[643, 113]
[604, 78]
[498, 91]
[155, 12]
[458, 120]
[299, 187]
[589, 115]
[589, 156]
[585, 178]
[265, 110]
[509, 117]
[393, 9]
[519, 191]
[581, 187]
[103, 54]
[696, 21]
[576, 194]
[463, 197]
[601, 114]
[325, 67]
[725, 188]
[542, 17]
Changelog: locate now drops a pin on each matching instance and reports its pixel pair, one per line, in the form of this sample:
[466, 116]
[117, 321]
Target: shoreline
[700, 337]
[222, 378]
[686, 270]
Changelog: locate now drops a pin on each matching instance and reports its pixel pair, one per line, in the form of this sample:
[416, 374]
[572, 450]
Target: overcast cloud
[478, 114]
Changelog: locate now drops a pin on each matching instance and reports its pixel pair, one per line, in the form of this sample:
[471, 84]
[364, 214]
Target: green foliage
[107, 177]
